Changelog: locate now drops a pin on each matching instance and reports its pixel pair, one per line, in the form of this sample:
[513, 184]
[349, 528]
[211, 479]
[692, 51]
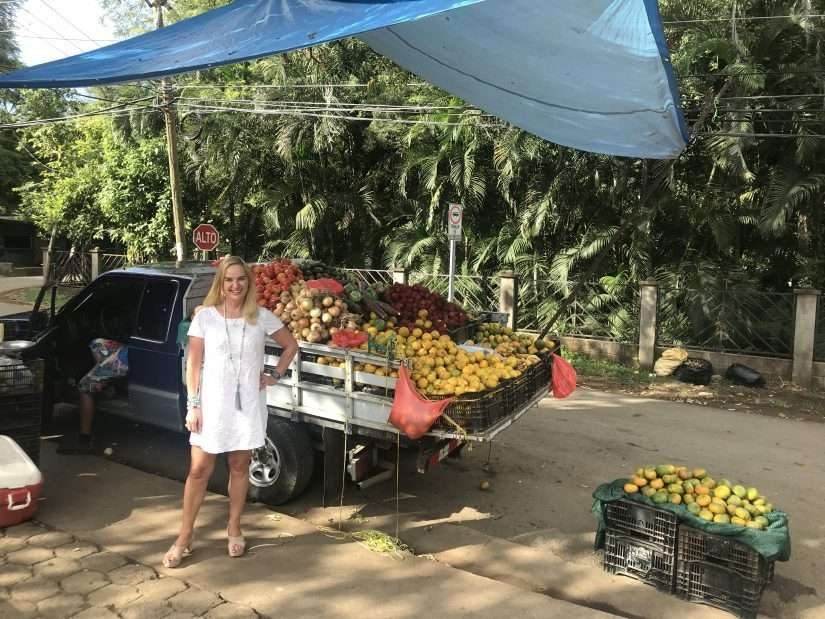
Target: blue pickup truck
[331, 407]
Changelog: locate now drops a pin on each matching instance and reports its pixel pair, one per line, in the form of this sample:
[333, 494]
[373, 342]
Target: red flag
[411, 413]
[564, 378]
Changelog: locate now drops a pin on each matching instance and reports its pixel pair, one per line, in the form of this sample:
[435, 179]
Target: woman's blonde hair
[215, 295]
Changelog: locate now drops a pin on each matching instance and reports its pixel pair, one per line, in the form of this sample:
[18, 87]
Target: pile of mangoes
[722, 501]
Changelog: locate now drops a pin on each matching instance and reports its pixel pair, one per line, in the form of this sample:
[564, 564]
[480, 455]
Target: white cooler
[20, 484]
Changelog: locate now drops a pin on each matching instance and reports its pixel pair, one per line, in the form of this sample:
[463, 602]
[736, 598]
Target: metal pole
[451, 285]
[169, 116]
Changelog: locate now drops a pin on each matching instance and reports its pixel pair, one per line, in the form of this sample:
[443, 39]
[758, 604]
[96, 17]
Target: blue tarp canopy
[590, 74]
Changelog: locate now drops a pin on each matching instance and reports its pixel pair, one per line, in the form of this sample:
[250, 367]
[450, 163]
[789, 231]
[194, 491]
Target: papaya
[701, 490]
[665, 469]
[706, 515]
[640, 472]
[689, 486]
[700, 473]
[721, 519]
[737, 520]
[676, 499]
[650, 474]
[703, 500]
[675, 489]
[648, 491]
[683, 473]
[740, 491]
[723, 492]
[670, 479]
[743, 513]
[631, 488]
[709, 483]
[639, 481]
[657, 483]
[660, 497]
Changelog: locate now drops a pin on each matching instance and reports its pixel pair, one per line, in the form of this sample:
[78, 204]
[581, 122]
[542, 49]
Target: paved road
[13, 283]
[545, 468]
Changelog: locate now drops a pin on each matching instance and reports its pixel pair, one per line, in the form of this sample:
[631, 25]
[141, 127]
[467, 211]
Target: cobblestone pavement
[51, 574]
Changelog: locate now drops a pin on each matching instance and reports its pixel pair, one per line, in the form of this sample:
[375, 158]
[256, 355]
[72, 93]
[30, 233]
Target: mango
[731, 509]
[670, 479]
[725, 482]
[665, 469]
[657, 483]
[761, 519]
[675, 489]
[759, 501]
[676, 499]
[648, 491]
[701, 490]
[721, 519]
[723, 492]
[683, 473]
[639, 481]
[694, 509]
[650, 474]
[689, 486]
[631, 488]
[753, 524]
[740, 491]
[715, 508]
[688, 499]
[703, 500]
[709, 483]
[743, 513]
[753, 494]
[706, 515]
[640, 472]
[768, 507]
[718, 501]
[737, 520]
[734, 500]
[761, 509]
[700, 473]
[660, 497]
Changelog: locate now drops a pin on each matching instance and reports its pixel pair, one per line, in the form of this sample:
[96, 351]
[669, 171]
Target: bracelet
[193, 401]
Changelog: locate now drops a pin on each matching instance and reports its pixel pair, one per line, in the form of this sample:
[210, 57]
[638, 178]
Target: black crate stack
[641, 543]
[720, 572]
[21, 403]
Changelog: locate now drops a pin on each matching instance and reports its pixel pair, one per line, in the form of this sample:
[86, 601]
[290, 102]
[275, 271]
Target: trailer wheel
[282, 468]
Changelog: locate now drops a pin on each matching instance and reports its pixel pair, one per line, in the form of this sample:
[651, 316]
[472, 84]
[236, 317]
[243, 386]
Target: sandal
[176, 554]
[236, 546]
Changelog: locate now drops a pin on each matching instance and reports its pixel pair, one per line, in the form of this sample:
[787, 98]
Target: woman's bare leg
[200, 471]
[238, 486]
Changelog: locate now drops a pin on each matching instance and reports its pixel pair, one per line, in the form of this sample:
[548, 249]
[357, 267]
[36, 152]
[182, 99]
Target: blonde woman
[226, 407]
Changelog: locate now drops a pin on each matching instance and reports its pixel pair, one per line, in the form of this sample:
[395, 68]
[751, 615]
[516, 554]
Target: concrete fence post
[508, 297]
[806, 304]
[400, 276]
[649, 293]
[95, 254]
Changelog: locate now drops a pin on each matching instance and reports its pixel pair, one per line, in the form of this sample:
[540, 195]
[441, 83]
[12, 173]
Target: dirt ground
[776, 399]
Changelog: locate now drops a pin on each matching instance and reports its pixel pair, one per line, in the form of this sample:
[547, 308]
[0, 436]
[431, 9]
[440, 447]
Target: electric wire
[67, 20]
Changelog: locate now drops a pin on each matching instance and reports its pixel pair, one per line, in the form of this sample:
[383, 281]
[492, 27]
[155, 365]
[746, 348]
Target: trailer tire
[281, 470]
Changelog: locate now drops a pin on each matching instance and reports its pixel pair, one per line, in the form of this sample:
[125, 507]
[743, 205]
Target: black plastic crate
[641, 560]
[643, 522]
[696, 545]
[718, 586]
[20, 411]
[21, 378]
[474, 412]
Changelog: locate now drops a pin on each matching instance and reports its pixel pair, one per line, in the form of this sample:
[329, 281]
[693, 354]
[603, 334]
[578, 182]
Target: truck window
[110, 309]
[156, 310]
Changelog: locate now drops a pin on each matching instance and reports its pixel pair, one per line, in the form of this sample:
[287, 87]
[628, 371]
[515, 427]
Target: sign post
[205, 237]
[455, 214]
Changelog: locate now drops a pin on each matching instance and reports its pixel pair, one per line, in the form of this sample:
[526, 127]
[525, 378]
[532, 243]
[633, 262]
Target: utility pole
[167, 105]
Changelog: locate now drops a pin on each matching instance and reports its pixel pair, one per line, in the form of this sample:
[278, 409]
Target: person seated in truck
[111, 363]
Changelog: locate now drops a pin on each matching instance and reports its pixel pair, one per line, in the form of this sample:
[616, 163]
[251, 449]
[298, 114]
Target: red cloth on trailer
[564, 378]
[411, 413]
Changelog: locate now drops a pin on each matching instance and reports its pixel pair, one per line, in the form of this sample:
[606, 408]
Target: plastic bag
[665, 367]
[411, 413]
[564, 378]
[674, 354]
[743, 375]
[695, 371]
[349, 338]
[331, 286]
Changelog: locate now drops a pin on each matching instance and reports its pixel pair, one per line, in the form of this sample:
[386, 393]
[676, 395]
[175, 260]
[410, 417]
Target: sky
[44, 25]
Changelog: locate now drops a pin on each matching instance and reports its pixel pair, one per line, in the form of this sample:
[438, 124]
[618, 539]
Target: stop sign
[205, 237]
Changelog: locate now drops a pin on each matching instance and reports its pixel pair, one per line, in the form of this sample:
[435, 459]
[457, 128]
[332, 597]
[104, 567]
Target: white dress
[224, 428]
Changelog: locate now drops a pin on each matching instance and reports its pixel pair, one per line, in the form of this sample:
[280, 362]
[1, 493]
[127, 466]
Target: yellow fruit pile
[505, 341]
[722, 502]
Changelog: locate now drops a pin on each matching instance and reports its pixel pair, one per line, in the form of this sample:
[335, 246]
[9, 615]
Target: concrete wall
[769, 366]
[819, 375]
[601, 349]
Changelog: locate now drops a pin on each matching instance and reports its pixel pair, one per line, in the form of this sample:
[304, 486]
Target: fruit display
[504, 340]
[273, 279]
[418, 307]
[722, 502]
[311, 315]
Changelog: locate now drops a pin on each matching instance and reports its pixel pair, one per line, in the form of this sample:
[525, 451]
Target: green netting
[773, 542]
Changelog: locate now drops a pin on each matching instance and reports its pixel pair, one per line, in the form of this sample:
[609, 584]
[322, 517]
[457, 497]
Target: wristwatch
[274, 374]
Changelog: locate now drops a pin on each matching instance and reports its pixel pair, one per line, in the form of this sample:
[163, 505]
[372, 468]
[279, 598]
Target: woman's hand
[267, 381]
[194, 420]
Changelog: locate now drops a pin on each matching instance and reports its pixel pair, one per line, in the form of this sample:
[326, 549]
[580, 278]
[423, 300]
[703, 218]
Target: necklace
[237, 369]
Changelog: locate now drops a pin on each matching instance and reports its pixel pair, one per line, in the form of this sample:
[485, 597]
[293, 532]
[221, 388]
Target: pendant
[238, 397]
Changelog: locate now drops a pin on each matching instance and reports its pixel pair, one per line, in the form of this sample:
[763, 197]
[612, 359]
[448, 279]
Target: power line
[790, 136]
[65, 19]
[34, 36]
[59, 34]
[744, 18]
[62, 119]
[754, 73]
[783, 96]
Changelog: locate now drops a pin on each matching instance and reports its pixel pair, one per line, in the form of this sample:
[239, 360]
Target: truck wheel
[282, 468]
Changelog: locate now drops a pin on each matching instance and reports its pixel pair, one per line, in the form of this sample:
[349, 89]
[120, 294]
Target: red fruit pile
[274, 278]
[418, 306]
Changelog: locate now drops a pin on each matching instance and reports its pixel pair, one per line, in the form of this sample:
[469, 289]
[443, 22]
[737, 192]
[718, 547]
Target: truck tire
[281, 469]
